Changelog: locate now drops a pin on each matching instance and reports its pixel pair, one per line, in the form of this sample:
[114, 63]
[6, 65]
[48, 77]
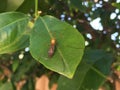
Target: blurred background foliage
[99, 23]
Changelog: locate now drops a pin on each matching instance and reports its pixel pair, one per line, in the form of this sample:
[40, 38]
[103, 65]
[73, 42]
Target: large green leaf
[69, 47]
[13, 31]
[95, 70]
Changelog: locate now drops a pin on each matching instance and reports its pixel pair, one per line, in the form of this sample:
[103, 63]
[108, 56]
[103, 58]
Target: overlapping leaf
[13, 31]
[91, 72]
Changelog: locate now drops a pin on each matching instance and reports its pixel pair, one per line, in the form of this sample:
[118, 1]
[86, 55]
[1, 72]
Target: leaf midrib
[60, 52]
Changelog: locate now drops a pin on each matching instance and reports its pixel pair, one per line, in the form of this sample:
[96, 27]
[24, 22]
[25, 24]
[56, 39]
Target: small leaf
[69, 45]
[13, 32]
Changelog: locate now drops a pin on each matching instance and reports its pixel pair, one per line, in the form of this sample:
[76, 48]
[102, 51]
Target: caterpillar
[52, 48]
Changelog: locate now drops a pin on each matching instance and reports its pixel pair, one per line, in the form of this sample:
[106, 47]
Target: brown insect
[52, 48]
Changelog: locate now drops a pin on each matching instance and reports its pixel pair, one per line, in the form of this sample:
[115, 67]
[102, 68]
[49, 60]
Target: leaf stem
[36, 8]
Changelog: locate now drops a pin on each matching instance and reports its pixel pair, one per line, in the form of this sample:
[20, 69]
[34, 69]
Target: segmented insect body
[52, 48]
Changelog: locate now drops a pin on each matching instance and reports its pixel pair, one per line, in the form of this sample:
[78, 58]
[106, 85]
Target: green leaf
[13, 33]
[15, 65]
[3, 5]
[117, 5]
[74, 83]
[6, 86]
[29, 85]
[26, 6]
[69, 45]
[12, 5]
[93, 71]
[26, 66]
[78, 4]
